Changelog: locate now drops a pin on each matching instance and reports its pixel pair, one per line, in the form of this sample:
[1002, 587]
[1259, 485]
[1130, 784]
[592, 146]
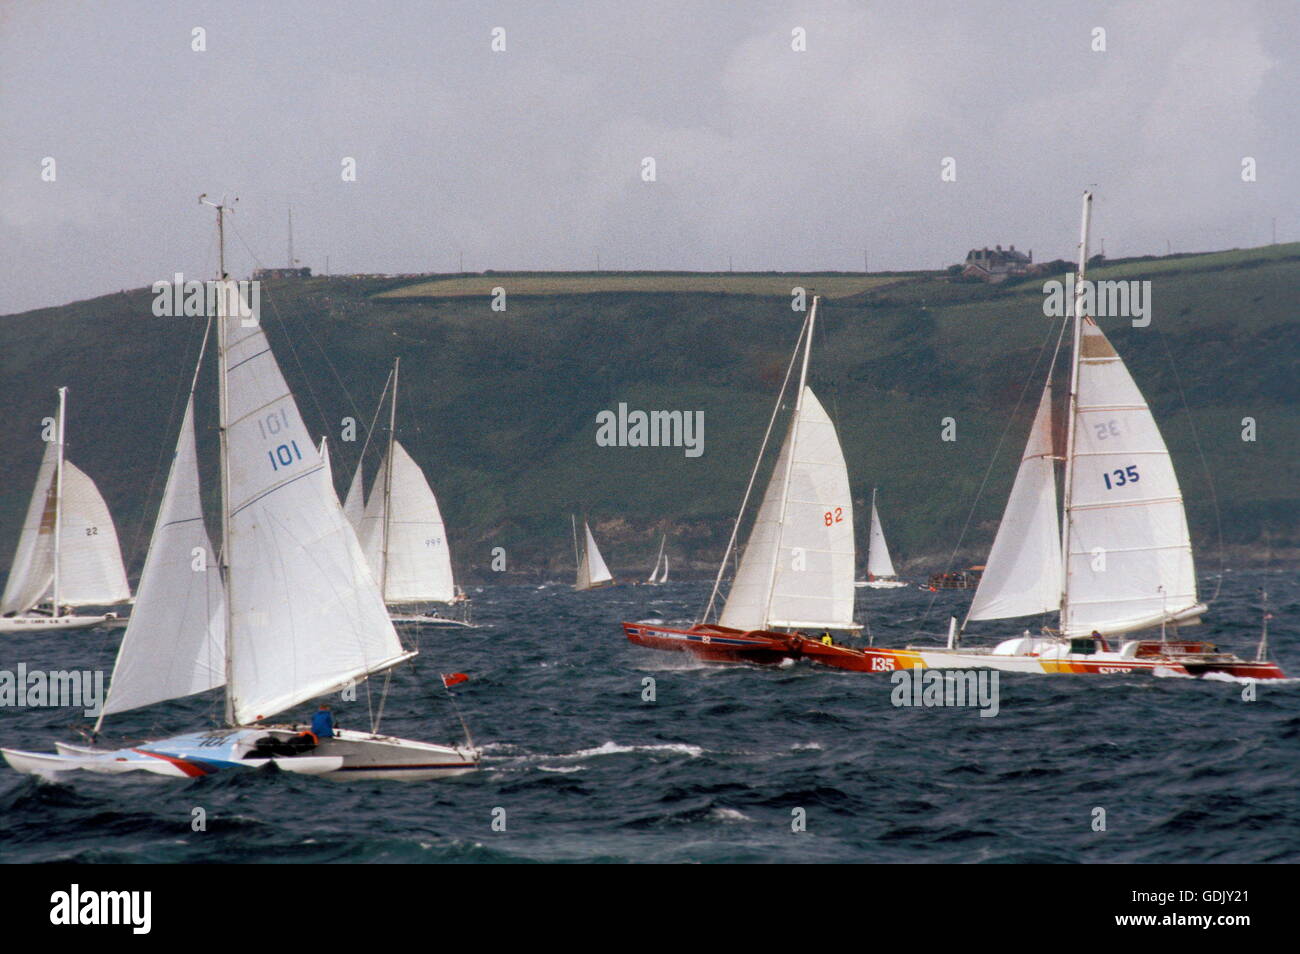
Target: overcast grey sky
[531, 158]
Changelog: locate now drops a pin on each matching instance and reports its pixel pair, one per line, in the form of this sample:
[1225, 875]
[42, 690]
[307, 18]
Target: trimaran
[1128, 563]
[293, 615]
[67, 555]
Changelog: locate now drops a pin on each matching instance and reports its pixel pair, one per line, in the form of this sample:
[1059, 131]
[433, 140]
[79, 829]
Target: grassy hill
[500, 407]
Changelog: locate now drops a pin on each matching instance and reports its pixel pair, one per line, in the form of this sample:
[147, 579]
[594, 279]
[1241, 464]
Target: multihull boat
[797, 570]
[294, 613]
[68, 554]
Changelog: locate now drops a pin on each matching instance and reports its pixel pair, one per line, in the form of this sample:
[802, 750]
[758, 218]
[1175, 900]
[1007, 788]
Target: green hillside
[500, 408]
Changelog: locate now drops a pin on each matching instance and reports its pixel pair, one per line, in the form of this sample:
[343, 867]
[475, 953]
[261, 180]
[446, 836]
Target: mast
[1074, 397]
[577, 560]
[794, 441]
[388, 482]
[58, 498]
[223, 428]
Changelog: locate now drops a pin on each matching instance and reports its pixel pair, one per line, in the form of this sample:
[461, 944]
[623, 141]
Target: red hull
[723, 644]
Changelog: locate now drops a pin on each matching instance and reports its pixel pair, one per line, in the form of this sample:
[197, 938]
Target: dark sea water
[1186, 770]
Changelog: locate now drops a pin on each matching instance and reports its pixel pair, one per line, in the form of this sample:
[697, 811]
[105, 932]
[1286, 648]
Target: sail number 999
[833, 516]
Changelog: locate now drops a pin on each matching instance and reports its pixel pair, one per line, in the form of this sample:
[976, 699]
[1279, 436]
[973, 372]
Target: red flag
[451, 679]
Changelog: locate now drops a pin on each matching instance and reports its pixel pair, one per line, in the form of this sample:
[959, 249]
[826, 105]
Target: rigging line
[1030, 378]
[735, 528]
[1205, 467]
[284, 324]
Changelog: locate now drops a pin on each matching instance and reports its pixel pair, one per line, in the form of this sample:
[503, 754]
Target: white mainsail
[1129, 564]
[417, 564]
[592, 570]
[306, 616]
[175, 642]
[797, 569]
[664, 578]
[32, 569]
[659, 558]
[879, 566]
[90, 559]
[1022, 575]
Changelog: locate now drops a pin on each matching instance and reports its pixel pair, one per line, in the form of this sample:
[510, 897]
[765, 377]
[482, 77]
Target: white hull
[881, 584]
[349, 755]
[433, 622]
[41, 624]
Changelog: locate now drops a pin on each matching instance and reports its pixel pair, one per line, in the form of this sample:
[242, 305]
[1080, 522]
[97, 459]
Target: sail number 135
[1118, 478]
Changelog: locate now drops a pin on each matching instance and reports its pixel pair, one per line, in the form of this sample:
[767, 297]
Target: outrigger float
[1121, 501]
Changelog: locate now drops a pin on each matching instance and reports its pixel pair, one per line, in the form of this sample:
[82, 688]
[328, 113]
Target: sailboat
[67, 555]
[660, 560]
[796, 573]
[592, 571]
[403, 535]
[880, 569]
[293, 615]
[1118, 560]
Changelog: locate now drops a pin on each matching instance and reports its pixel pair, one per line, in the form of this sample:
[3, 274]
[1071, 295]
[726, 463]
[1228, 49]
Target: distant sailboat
[68, 554]
[592, 571]
[796, 572]
[290, 614]
[403, 535]
[660, 560]
[880, 569]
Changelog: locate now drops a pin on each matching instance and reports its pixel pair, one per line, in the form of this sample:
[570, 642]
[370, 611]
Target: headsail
[797, 569]
[175, 642]
[1130, 563]
[306, 614]
[417, 565]
[33, 564]
[354, 505]
[879, 566]
[1022, 575]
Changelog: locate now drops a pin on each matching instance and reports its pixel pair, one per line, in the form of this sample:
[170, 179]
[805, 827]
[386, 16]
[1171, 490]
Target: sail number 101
[284, 454]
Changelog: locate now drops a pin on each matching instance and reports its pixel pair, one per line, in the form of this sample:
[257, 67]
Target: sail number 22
[1118, 478]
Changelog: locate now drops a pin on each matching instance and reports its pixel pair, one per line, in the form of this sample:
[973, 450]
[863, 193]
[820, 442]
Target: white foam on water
[728, 815]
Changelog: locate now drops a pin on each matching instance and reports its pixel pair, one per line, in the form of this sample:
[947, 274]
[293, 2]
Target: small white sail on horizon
[592, 571]
[660, 559]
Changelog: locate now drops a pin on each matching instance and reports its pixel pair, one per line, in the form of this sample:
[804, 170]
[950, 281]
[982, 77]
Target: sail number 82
[1118, 478]
[833, 516]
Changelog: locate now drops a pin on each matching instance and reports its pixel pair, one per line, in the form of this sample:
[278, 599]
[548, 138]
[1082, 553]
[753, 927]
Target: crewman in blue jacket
[322, 723]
